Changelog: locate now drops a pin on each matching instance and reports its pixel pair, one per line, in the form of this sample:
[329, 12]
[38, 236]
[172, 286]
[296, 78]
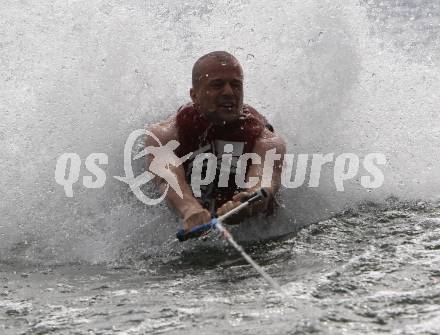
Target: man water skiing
[217, 121]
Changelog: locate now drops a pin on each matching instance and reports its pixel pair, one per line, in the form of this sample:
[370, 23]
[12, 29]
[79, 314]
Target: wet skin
[219, 92]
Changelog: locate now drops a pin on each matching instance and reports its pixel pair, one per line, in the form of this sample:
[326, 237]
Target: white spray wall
[79, 76]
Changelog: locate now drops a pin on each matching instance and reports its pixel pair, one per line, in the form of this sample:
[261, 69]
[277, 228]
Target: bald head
[217, 87]
[199, 69]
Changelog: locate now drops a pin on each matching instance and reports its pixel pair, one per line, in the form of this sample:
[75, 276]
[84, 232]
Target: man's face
[219, 93]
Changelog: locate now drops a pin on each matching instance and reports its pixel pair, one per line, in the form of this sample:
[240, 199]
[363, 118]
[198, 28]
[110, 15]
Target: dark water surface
[371, 270]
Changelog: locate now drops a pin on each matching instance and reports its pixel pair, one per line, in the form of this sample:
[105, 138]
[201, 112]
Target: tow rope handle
[183, 235]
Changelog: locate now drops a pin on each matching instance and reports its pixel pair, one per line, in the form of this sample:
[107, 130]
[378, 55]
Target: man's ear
[192, 94]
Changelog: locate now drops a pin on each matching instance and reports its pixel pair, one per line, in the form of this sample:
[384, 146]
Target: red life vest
[196, 134]
[195, 131]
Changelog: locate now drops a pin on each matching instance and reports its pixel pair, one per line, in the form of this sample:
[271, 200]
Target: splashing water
[370, 270]
[332, 76]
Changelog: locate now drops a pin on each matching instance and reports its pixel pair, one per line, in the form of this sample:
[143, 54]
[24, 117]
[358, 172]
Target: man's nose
[227, 89]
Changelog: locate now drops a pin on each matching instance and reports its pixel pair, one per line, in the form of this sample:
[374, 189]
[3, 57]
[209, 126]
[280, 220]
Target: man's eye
[216, 84]
[236, 84]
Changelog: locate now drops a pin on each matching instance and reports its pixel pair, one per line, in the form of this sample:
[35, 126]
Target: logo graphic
[215, 163]
[163, 158]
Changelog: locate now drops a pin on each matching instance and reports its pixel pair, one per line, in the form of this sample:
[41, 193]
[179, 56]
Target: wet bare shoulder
[164, 130]
[269, 140]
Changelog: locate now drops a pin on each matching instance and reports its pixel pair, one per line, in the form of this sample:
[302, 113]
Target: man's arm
[267, 141]
[188, 208]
